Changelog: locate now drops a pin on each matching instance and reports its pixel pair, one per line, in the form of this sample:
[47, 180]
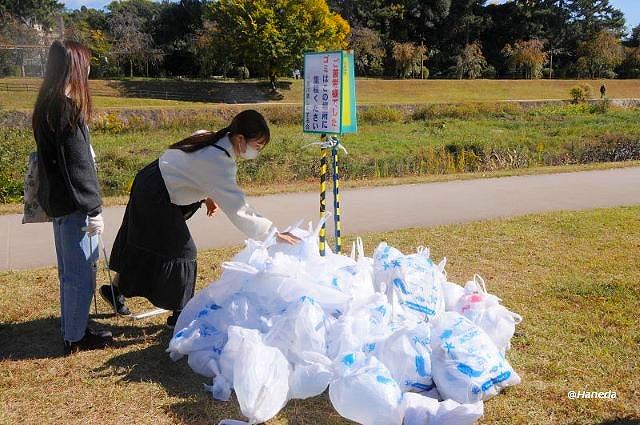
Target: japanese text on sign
[322, 73]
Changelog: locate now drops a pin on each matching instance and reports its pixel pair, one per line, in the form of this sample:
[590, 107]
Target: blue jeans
[77, 255]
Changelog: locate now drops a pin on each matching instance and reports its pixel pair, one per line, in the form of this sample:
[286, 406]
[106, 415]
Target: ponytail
[251, 124]
[198, 141]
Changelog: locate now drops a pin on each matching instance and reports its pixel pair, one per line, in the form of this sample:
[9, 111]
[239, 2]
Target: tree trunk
[421, 61]
[130, 68]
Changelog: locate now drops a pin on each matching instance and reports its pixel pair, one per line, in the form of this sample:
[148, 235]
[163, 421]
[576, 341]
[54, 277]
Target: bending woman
[154, 253]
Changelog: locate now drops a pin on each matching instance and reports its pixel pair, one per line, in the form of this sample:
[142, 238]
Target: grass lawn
[572, 276]
[534, 138]
[369, 91]
[25, 100]
[390, 147]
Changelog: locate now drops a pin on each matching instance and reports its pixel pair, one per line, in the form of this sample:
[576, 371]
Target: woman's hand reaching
[212, 207]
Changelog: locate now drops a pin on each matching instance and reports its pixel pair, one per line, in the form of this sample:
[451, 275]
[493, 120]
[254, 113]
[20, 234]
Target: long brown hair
[67, 74]
[251, 124]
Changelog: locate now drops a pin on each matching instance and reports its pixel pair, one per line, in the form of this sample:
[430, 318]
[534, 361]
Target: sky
[630, 8]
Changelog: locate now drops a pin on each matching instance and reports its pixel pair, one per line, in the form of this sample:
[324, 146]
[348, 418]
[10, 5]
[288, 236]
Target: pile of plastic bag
[389, 336]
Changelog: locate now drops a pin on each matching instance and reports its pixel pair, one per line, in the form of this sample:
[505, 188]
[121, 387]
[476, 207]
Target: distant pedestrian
[603, 91]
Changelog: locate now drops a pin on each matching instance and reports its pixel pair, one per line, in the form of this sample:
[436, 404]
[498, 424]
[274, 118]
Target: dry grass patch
[369, 91]
[573, 277]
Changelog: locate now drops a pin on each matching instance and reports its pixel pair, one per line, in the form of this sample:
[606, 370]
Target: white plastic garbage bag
[198, 336]
[466, 365]
[485, 310]
[451, 412]
[311, 376]
[421, 410]
[407, 355]
[452, 294]
[356, 279]
[361, 327]
[302, 327]
[205, 362]
[283, 322]
[414, 279]
[223, 382]
[365, 392]
[260, 380]
[216, 294]
[307, 248]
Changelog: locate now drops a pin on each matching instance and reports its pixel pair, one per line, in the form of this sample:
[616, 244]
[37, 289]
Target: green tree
[600, 55]
[206, 44]
[634, 37]
[14, 31]
[631, 66]
[26, 22]
[269, 37]
[586, 18]
[175, 32]
[522, 20]
[399, 20]
[90, 27]
[465, 21]
[409, 58]
[131, 44]
[368, 51]
[526, 57]
[471, 62]
[40, 11]
[146, 11]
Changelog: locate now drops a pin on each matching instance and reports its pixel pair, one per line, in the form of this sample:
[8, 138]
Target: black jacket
[68, 178]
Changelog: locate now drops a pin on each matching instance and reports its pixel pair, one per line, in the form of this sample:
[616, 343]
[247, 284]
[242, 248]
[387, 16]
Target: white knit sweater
[209, 172]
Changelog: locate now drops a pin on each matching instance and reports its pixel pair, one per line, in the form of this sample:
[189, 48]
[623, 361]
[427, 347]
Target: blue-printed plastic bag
[365, 392]
[414, 281]
[407, 355]
[466, 364]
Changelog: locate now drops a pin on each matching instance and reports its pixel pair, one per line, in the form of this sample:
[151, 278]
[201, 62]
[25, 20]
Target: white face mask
[249, 153]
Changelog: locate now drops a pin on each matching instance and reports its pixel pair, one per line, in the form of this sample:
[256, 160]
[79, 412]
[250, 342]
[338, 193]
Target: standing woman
[68, 187]
[154, 253]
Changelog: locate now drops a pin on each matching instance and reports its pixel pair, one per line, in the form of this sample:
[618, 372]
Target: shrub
[466, 111]
[381, 115]
[600, 107]
[243, 72]
[15, 145]
[109, 123]
[283, 115]
[581, 93]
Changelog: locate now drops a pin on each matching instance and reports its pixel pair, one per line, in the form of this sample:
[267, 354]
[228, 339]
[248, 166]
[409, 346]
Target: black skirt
[154, 252]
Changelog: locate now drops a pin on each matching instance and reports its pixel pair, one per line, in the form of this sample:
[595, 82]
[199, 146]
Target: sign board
[329, 93]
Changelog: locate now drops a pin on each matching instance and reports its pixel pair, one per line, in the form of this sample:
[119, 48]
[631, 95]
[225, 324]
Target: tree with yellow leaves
[526, 57]
[600, 55]
[269, 37]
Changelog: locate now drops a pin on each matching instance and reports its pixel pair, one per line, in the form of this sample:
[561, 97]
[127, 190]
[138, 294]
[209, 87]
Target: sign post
[330, 111]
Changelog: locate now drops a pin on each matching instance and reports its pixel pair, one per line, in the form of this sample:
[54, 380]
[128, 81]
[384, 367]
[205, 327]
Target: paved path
[371, 209]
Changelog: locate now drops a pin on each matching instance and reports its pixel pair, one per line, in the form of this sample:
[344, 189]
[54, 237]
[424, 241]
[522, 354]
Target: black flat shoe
[92, 340]
[117, 303]
[173, 319]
